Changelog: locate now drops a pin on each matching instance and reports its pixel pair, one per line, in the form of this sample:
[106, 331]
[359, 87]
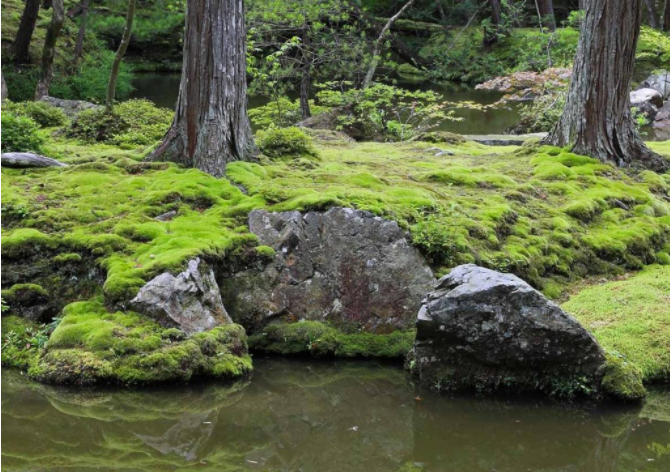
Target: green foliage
[42, 113]
[386, 111]
[21, 82]
[20, 134]
[22, 341]
[285, 143]
[321, 340]
[543, 113]
[131, 123]
[281, 112]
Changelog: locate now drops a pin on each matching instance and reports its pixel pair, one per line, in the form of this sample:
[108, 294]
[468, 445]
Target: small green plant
[42, 113]
[20, 134]
[285, 143]
[281, 112]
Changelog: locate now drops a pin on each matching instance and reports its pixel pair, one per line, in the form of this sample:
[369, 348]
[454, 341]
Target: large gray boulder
[659, 81]
[344, 266]
[486, 330]
[647, 100]
[190, 301]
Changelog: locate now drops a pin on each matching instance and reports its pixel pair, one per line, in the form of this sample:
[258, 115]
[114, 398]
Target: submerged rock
[190, 301]
[344, 266]
[484, 330]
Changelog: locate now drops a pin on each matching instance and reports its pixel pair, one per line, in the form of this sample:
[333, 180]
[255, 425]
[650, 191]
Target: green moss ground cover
[631, 317]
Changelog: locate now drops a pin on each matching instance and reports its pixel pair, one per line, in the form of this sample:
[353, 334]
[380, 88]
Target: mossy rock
[622, 380]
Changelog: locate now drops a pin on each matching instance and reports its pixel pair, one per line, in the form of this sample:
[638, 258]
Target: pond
[323, 416]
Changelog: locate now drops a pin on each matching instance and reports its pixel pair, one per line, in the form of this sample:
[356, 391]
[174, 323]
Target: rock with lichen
[485, 330]
[189, 301]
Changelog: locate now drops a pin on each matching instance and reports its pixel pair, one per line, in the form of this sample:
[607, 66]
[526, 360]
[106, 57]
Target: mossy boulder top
[485, 329]
[348, 267]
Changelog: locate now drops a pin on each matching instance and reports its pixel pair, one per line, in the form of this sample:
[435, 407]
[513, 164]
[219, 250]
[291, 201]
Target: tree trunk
[443, 16]
[652, 14]
[49, 51]
[582, 4]
[211, 127]
[118, 57]
[491, 35]
[305, 75]
[376, 49]
[597, 119]
[666, 16]
[20, 48]
[5, 92]
[82, 30]
[546, 8]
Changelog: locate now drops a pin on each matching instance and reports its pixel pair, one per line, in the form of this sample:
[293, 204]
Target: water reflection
[333, 416]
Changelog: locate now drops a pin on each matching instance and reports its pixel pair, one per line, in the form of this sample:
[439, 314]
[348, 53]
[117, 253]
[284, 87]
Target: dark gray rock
[190, 301]
[659, 81]
[647, 100]
[503, 139]
[486, 330]
[71, 108]
[344, 266]
[24, 160]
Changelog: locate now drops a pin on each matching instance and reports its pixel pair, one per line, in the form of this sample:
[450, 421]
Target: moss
[26, 241]
[630, 317]
[66, 258]
[321, 340]
[622, 380]
[92, 345]
[23, 292]
[265, 252]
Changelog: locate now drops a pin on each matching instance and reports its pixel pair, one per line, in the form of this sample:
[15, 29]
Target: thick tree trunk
[491, 35]
[20, 48]
[49, 51]
[118, 57]
[376, 49]
[582, 4]
[79, 45]
[597, 119]
[546, 8]
[666, 16]
[652, 14]
[211, 127]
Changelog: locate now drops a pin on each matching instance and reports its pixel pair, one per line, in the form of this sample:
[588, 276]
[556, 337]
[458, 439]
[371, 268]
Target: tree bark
[582, 4]
[666, 16]
[20, 48]
[5, 92]
[78, 47]
[652, 14]
[49, 51]
[305, 76]
[443, 16]
[546, 8]
[118, 57]
[376, 49]
[597, 119]
[211, 127]
[491, 36]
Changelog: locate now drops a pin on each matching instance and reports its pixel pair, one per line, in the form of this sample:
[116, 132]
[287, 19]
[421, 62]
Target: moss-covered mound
[631, 318]
[321, 340]
[92, 346]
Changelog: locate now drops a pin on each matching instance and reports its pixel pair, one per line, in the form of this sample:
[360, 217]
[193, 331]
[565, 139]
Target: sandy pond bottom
[321, 416]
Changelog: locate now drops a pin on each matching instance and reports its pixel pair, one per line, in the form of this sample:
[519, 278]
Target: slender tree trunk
[118, 57]
[652, 14]
[443, 16]
[491, 35]
[5, 92]
[49, 51]
[666, 16]
[20, 48]
[597, 119]
[211, 127]
[305, 76]
[377, 48]
[82, 30]
[546, 8]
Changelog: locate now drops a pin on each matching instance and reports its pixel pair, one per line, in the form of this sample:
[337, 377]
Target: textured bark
[491, 36]
[49, 51]
[546, 8]
[376, 49]
[597, 119]
[211, 127]
[118, 57]
[5, 92]
[20, 48]
[305, 77]
[78, 47]
[652, 14]
[666, 16]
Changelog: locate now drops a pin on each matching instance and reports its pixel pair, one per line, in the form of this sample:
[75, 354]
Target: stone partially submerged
[190, 301]
[346, 267]
[484, 330]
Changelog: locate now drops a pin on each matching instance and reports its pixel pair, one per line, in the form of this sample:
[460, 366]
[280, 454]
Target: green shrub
[42, 113]
[281, 112]
[131, 123]
[285, 143]
[21, 82]
[20, 134]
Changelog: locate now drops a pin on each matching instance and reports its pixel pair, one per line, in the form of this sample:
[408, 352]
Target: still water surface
[297, 415]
